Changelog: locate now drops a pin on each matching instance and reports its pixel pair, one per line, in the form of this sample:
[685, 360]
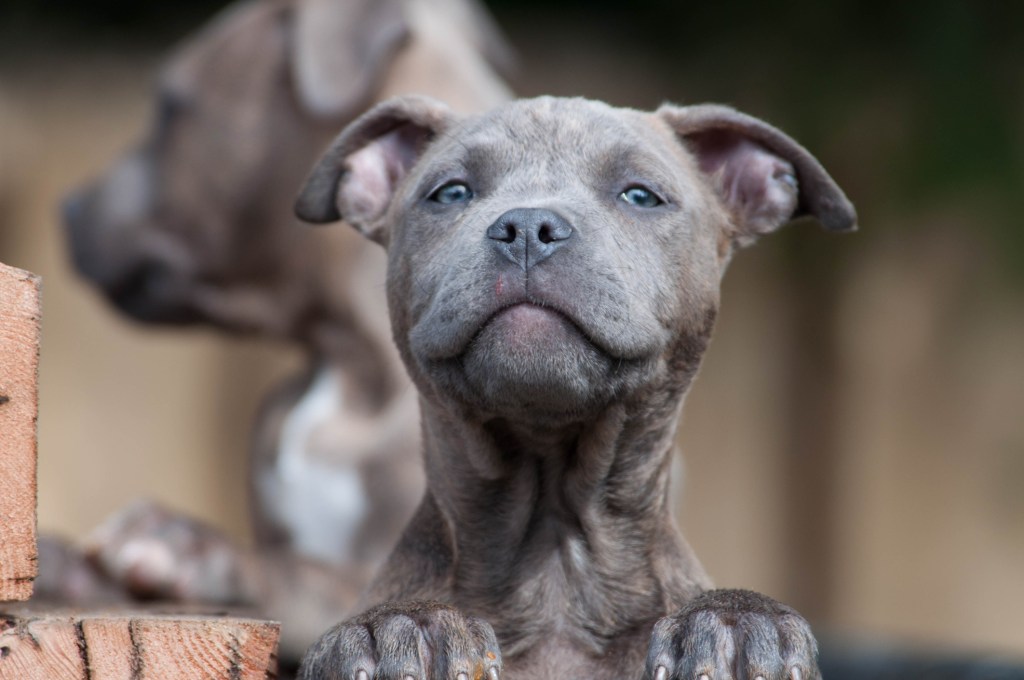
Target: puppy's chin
[531, 362]
[154, 298]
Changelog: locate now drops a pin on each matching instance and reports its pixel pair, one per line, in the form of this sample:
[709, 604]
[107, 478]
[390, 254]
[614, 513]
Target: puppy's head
[555, 255]
[195, 223]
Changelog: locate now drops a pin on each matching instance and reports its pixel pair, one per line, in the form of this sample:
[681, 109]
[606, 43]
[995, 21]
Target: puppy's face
[545, 256]
[555, 255]
[195, 224]
[183, 215]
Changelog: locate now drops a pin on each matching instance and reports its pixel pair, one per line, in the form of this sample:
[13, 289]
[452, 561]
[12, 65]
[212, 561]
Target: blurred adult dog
[195, 225]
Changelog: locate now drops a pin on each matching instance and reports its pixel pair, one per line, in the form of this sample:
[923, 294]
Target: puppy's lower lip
[527, 308]
[528, 314]
[530, 321]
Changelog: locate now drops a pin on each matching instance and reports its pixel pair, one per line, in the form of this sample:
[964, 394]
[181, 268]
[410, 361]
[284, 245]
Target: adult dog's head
[195, 223]
[555, 255]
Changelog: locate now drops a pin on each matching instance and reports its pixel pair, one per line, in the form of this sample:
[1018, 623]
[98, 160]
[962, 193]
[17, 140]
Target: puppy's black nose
[72, 209]
[528, 236]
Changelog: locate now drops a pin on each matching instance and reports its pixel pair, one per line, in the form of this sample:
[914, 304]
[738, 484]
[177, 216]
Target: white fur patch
[321, 504]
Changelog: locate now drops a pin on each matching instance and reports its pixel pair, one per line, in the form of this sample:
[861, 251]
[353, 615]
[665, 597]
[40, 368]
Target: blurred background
[855, 443]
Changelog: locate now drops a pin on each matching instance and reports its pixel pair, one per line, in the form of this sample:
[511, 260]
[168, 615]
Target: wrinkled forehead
[574, 138]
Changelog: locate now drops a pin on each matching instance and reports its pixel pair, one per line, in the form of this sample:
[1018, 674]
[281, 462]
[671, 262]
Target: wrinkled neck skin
[561, 537]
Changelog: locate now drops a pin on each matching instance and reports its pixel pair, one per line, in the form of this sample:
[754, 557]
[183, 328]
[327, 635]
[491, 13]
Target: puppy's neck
[559, 529]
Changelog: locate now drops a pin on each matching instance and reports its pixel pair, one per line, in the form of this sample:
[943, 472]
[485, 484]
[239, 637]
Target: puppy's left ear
[358, 177]
[340, 50]
[763, 177]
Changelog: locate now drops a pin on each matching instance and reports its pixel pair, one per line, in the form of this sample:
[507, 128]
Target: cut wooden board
[19, 369]
[146, 646]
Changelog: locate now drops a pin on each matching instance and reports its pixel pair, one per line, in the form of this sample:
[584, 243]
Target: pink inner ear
[759, 187]
[374, 172]
[364, 192]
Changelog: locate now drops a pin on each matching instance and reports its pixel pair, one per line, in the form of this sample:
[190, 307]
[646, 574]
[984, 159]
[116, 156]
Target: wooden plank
[144, 646]
[19, 369]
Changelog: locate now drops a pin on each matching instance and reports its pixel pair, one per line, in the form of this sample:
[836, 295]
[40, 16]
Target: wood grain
[19, 370]
[144, 646]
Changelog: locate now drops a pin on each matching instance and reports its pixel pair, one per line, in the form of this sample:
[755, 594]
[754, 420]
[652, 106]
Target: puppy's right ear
[356, 179]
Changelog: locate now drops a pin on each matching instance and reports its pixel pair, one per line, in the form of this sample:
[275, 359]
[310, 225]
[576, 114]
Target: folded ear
[763, 177]
[356, 179]
[340, 50]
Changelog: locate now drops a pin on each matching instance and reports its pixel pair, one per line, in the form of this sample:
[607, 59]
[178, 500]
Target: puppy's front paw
[406, 641]
[733, 635]
[67, 578]
[154, 552]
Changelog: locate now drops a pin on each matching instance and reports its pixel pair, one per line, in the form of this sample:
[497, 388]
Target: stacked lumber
[19, 368]
[142, 646]
[41, 644]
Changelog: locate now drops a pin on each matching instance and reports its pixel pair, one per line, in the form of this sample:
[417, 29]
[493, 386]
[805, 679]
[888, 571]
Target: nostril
[544, 234]
[502, 231]
[549, 233]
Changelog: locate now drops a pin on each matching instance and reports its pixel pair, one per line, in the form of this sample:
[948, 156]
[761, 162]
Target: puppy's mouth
[149, 293]
[530, 323]
[554, 315]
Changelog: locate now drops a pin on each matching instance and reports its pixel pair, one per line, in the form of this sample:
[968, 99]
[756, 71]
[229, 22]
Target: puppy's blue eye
[641, 197]
[453, 192]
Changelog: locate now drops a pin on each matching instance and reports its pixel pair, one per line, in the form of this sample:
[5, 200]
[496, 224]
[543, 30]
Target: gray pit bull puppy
[553, 279]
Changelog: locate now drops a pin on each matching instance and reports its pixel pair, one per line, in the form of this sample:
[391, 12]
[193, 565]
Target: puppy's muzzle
[85, 243]
[528, 236]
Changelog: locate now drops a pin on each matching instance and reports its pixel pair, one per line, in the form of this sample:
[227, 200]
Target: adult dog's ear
[340, 50]
[763, 177]
[470, 18]
[356, 179]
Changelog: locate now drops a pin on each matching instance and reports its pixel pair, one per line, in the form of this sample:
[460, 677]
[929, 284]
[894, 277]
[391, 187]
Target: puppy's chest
[321, 503]
[570, 594]
[558, 656]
